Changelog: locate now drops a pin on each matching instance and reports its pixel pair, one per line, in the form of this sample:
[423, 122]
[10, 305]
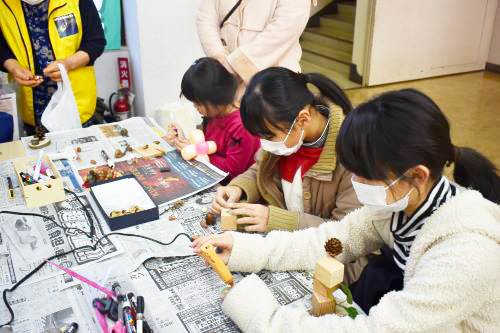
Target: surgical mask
[279, 148]
[375, 197]
[33, 2]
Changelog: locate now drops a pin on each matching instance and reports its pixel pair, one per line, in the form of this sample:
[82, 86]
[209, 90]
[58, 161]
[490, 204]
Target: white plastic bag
[62, 112]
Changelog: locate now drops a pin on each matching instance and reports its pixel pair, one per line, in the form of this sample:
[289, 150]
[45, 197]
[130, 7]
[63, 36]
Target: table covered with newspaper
[181, 293]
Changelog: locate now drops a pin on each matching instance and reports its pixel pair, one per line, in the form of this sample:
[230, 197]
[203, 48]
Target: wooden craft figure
[327, 278]
[199, 148]
[39, 140]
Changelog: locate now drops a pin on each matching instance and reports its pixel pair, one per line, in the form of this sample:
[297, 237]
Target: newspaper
[28, 240]
[7, 171]
[91, 141]
[166, 179]
[32, 315]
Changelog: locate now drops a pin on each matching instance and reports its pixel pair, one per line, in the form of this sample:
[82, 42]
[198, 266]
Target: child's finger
[242, 211]
[247, 220]
[242, 205]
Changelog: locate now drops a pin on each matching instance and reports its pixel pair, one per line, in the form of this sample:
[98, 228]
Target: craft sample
[39, 140]
[150, 150]
[199, 148]
[207, 251]
[227, 220]
[327, 278]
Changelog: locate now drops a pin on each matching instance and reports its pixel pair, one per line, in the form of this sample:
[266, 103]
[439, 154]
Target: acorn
[333, 247]
[210, 219]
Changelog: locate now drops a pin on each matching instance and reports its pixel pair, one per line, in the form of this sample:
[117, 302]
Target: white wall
[494, 56]
[163, 43]
[415, 39]
[106, 72]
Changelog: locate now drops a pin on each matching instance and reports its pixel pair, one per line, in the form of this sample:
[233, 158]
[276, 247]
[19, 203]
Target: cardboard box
[121, 194]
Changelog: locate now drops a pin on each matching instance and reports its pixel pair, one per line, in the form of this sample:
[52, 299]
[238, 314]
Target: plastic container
[182, 113]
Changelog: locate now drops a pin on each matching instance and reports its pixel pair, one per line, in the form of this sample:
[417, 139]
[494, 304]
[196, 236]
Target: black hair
[276, 95]
[209, 83]
[398, 130]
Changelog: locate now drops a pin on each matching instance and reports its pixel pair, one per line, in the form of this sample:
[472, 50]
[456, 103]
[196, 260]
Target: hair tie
[455, 153]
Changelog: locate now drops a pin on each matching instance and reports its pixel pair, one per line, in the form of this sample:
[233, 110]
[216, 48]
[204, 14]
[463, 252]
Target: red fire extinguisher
[121, 107]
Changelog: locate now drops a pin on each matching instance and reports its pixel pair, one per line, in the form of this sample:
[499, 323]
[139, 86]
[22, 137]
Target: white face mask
[279, 148]
[33, 2]
[375, 197]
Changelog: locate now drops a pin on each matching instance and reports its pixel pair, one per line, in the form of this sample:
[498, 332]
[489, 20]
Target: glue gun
[207, 251]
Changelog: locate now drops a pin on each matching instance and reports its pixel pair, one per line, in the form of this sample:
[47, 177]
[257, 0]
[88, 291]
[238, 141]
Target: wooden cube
[227, 221]
[329, 271]
[322, 305]
[323, 290]
[150, 150]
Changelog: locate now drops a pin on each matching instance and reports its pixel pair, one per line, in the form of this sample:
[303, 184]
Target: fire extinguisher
[121, 107]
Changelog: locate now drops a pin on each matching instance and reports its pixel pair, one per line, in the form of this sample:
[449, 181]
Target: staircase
[327, 48]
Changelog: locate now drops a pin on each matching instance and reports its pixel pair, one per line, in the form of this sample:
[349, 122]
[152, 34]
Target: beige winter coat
[451, 281]
[258, 35]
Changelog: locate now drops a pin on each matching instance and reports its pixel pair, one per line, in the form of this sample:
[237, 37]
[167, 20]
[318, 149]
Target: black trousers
[380, 276]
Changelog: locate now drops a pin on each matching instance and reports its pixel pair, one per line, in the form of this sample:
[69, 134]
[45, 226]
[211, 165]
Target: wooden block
[150, 150]
[43, 192]
[227, 221]
[329, 271]
[322, 305]
[323, 290]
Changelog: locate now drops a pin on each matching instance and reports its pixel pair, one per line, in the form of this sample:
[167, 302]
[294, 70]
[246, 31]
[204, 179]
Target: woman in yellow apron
[35, 36]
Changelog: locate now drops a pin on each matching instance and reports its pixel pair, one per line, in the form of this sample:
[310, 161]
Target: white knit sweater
[451, 282]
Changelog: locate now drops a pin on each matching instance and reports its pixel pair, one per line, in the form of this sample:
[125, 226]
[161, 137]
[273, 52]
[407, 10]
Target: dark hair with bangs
[401, 129]
[208, 82]
[276, 95]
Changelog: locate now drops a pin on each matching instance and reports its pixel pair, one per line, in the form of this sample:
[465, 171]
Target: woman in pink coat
[248, 36]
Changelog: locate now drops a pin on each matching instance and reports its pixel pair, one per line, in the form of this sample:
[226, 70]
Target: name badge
[66, 25]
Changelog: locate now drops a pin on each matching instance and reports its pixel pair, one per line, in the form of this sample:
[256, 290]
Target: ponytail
[276, 95]
[475, 171]
[329, 89]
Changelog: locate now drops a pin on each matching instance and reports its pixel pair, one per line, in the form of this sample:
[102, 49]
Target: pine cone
[333, 247]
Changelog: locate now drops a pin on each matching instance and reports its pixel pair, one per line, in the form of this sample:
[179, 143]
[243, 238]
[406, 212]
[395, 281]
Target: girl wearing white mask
[445, 235]
[296, 175]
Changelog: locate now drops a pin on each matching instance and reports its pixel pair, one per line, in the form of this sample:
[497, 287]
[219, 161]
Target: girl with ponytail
[445, 236]
[296, 174]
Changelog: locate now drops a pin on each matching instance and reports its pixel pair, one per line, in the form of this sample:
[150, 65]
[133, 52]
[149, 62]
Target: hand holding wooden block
[227, 220]
[329, 271]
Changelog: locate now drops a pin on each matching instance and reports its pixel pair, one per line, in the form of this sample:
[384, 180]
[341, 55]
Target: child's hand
[256, 215]
[225, 195]
[223, 241]
[176, 137]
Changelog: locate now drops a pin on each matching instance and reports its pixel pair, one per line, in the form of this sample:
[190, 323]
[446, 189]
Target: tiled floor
[470, 101]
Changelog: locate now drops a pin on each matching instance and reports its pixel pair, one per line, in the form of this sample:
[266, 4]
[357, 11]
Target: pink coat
[259, 34]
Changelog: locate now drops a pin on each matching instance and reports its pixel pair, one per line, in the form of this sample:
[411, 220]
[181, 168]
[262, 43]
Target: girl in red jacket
[212, 89]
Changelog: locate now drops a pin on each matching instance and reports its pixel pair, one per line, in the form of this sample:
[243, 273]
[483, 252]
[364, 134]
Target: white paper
[122, 195]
